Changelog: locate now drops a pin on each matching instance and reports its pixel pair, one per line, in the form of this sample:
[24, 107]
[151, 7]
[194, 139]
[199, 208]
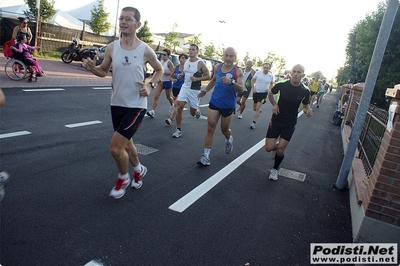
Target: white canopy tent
[13, 11]
[63, 19]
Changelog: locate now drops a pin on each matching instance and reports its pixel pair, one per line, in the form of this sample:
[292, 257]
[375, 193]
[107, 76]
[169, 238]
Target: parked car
[213, 62]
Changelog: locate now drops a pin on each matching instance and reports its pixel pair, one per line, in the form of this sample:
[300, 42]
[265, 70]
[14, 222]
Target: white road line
[14, 134]
[190, 198]
[34, 90]
[102, 88]
[187, 200]
[93, 263]
[84, 124]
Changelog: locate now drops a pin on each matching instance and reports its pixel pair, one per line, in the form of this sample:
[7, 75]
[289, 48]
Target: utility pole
[37, 41]
[116, 21]
[366, 95]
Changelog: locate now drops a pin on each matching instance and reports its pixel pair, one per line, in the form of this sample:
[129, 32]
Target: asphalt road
[57, 210]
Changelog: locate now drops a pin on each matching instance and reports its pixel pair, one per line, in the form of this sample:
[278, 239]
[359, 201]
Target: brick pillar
[355, 96]
[382, 196]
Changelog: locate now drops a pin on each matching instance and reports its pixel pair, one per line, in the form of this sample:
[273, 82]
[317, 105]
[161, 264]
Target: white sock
[125, 176]
[138, 168]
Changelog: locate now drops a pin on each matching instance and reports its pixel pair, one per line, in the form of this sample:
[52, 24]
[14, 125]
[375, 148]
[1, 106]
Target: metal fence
[371, 135]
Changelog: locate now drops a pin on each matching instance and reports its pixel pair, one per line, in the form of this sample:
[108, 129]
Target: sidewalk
[58, 74]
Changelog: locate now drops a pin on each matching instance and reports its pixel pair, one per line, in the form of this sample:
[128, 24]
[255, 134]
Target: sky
[308, 32]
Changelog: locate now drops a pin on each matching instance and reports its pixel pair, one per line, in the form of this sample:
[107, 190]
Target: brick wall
[382, 196]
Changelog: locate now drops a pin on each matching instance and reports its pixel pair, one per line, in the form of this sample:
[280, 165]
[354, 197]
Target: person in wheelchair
[23, 52]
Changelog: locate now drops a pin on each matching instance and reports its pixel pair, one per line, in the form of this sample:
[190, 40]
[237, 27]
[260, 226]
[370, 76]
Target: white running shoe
[240, 116]
[137, 181]
[198, 114]
[120, 188]
[177, 133]
[168, 121]
[273, 175]
[229, 145]
[253, 125]
[203, 160]
[151, 113]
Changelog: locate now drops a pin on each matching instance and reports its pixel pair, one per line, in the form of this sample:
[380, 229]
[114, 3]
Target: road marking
[204, 105]
[14, 134]
[84, 124]
[190, 198]
[93, 263]
[55, 89]
[102, 88]
[187, 200]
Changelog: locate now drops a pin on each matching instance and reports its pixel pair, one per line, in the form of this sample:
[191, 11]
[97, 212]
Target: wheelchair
[16, 69]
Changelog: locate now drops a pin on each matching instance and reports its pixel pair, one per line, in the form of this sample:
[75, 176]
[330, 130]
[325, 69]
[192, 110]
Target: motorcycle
[75, 52]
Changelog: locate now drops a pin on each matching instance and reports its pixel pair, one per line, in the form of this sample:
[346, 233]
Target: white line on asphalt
[204, 187]
[102, 88]
[204, 105]
[93, 263]
[84, 124]
[14, 134]
[34, 90]
[190, 198]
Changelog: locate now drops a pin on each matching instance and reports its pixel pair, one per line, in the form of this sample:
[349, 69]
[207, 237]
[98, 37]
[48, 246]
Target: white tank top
[128, 71]
[164, 64]
[189, 69]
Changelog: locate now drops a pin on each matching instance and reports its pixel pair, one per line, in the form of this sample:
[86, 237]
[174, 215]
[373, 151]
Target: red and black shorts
[126, 121]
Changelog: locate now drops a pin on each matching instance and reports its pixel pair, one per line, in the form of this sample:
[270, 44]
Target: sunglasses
[164, 54]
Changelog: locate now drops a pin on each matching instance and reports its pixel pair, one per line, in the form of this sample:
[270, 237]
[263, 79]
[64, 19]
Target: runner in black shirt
[290, 93]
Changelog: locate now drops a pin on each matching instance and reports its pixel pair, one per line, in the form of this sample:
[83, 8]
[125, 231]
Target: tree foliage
[99, 19]
[47, 10]
[210, 50]
[144, 33]
[359, 50]
[170, 40]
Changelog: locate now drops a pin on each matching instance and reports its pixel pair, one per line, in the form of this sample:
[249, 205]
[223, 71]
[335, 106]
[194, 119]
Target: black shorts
[245, 93]
[259, 97]
[313, 93]
[285, 130]
[175, 91]
[126, 121]
[225, 112]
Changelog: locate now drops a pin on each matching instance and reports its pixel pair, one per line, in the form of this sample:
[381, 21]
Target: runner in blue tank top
[227, 82]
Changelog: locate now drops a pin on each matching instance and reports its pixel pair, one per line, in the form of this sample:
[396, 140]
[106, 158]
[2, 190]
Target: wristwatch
[233, 81]
[152, 84]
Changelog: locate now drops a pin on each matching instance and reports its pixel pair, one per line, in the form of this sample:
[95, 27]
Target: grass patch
[49, 55]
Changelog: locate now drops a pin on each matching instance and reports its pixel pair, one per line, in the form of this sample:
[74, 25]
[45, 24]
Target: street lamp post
[220, 33]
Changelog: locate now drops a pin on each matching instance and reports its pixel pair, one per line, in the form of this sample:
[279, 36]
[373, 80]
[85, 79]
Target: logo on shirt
[126, 63]
[229, 75]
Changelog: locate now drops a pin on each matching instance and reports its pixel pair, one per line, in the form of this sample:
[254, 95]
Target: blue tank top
[179, 82]
[224, 95]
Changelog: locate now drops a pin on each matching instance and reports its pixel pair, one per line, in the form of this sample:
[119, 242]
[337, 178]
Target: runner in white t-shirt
[261, 82]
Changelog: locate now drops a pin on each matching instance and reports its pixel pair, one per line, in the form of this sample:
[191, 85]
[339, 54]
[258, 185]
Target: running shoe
[229, 145]
[273, 175]
[203, 160]
[137, 181]
[198, 114]
[168, 121]
[240, 116]
[177, 133]
[120, 188]
[253, 125]
[151, 113]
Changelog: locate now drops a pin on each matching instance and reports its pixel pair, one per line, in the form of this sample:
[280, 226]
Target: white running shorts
[189, 96]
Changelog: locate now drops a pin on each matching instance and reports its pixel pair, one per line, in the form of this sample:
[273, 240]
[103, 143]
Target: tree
[359, 50]
[210, 50]
[144, 33]
[170, 40]
[99, 19]
[47, 10]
